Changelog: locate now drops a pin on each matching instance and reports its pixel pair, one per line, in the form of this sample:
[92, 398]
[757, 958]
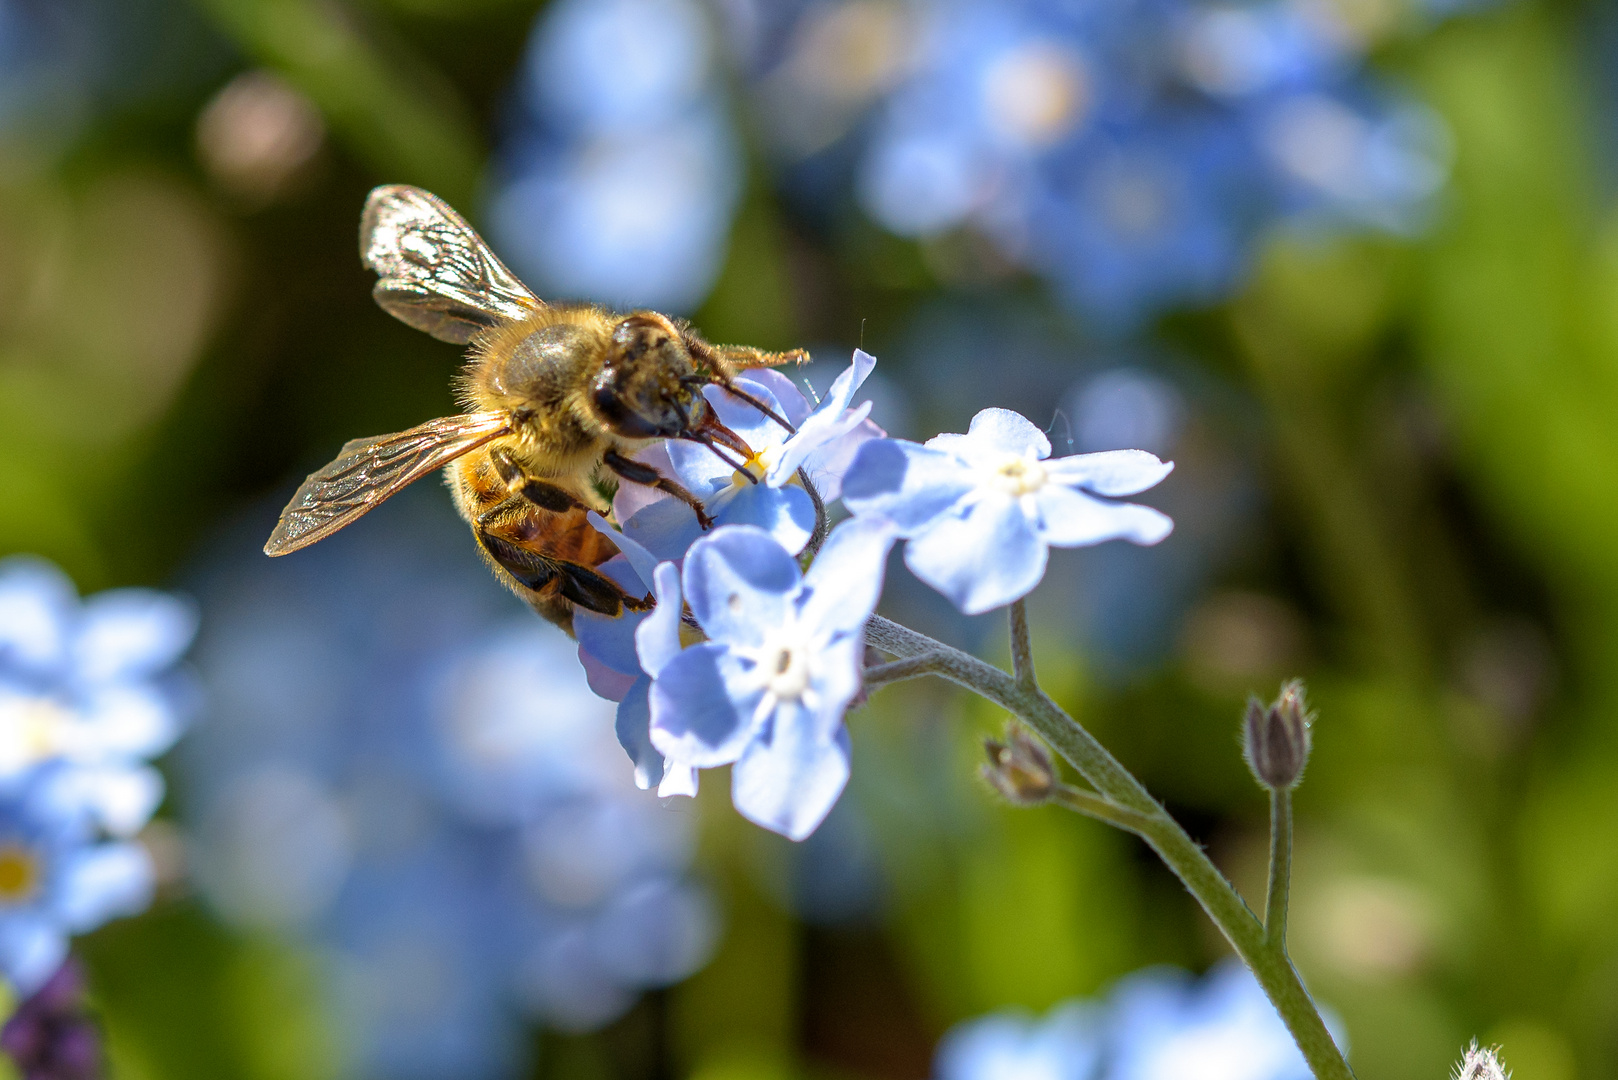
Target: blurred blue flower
[981, 510]
[58, 876]
[1132, 152]
[407, 772]
[93, 684]
[768, 689]
[1157, 1024]
[621, 173]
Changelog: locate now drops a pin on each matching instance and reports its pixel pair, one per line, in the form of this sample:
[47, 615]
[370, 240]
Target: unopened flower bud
[1481, 1063]
[1277, 738]
[1020, 768]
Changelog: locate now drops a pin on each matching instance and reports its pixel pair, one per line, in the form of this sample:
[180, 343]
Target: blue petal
[657, 641]
[611, 641]
[737, 580]
[695, 718]
[831, 419]
[1070, 518]
[38, 604]
[906, 483]
[982, 560]
[845, 580]
[103, 882]
[32, 947]
[666, 529]
[1111, 472]
[828, 465]
[996, 431]
[634, 727]
[702, 471]
[642, 560]
[788, 514]
[128, 633]
[756, 430]
[790, 783]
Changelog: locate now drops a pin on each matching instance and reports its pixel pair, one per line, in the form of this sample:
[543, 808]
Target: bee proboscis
[557, 397]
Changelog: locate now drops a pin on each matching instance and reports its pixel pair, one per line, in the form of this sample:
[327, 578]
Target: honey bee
[558, 399]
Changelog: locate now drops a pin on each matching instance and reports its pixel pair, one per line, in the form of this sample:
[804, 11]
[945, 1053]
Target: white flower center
[785, 665]
[1017, 475]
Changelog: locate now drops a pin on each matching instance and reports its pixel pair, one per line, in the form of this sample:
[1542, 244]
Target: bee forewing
[437, 274]
[368, 471]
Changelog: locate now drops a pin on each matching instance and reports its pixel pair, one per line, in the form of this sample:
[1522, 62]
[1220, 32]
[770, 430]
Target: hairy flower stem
[1275, 901]
[1121, 791]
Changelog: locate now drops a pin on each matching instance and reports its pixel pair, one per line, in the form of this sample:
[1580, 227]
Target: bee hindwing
[436, 272]
[368, 471]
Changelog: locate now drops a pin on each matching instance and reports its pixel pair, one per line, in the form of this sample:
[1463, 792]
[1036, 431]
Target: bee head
[647, 388]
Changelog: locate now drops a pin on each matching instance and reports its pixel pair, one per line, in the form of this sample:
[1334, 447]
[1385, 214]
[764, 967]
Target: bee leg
[724, 359]
[545, 495]
[583, 586]
[638, 473]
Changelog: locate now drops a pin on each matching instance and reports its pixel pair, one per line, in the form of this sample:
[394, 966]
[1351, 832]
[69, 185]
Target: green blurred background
[1431, 539]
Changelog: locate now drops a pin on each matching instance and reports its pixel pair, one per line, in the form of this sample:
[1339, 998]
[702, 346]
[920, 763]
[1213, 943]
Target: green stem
[1092, 805]
[1120, 790]
[1275, 902]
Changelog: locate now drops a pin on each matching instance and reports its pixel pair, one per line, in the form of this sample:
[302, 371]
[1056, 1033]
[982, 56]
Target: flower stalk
[1121, 800]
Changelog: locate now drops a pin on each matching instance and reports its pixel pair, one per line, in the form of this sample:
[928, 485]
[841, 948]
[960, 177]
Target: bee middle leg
[640, 473]
[525, 488]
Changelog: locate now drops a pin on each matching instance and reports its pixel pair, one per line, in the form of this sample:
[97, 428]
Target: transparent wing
[370, 470]
[437, 274]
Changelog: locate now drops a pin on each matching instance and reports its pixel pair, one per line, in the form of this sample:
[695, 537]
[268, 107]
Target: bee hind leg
[640, 473]
[553, 578]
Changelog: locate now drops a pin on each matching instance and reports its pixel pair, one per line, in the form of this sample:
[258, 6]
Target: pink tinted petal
[632, 497]
[1111, 472]
[795, 406]
[828, 465]
[604, 681]
[984, 560]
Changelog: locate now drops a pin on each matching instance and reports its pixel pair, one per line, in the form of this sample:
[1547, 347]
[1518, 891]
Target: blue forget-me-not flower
[767, 691]
[1157, 1024]
[89, 692]
[981, 510]
[59, 874]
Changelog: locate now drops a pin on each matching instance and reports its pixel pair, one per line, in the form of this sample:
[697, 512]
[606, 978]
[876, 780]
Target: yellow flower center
[19, 873]
[1019, 476]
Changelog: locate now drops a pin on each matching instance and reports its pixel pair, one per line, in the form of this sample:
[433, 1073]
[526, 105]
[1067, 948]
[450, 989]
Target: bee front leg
[725, 359]
[638, 473]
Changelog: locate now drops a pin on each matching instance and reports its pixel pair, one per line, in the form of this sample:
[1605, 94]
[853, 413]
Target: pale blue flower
[768, 689]
[58, 875]
[93, 684]
[765, 494]
[981, 510]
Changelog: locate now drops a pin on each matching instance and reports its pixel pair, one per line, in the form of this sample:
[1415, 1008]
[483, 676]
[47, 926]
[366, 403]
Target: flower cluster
[1131, 152]
[748, 660]
[405, 771]
[1156, 1024]
[620, 174]
[89, 694]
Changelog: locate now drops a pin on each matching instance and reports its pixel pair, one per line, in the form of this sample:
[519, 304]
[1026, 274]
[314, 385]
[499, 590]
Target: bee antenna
[763, 408]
